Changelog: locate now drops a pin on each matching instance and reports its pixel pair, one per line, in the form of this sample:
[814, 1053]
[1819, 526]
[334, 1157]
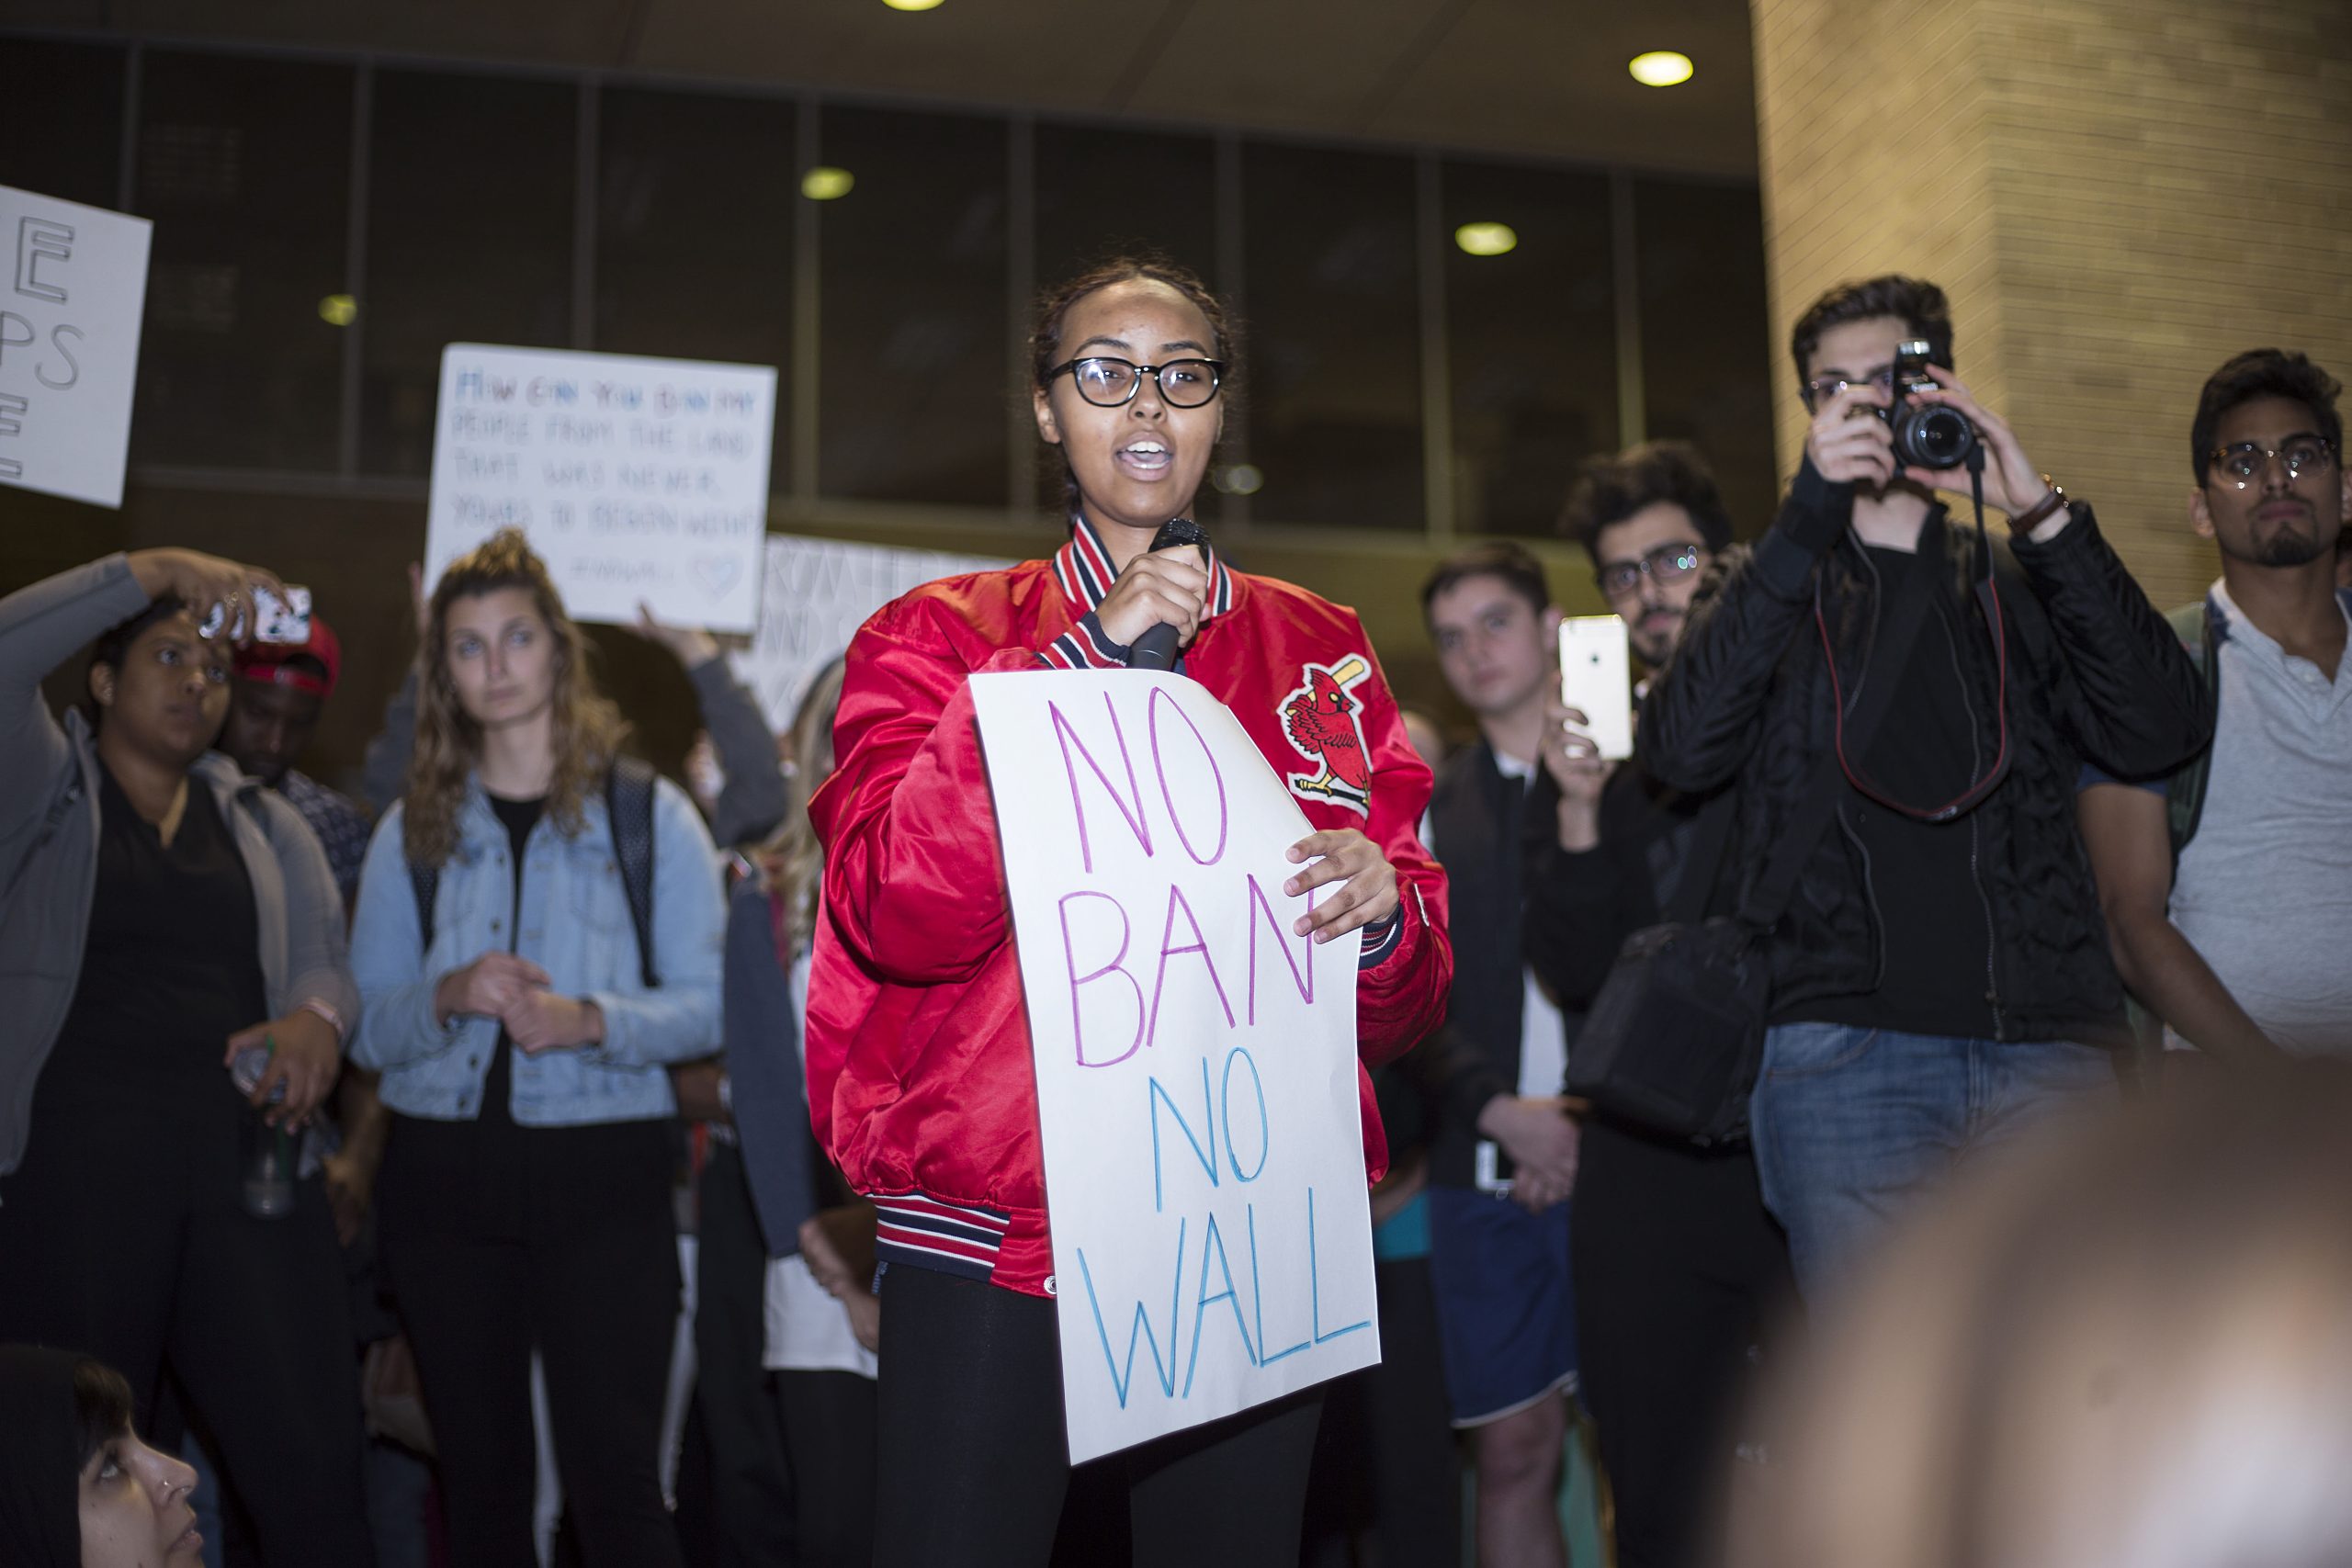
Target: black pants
[123, 1236]
[1385, 1459]
[829, 1429]
[592, 1284]
[974, 1461]
[1677, 1269]
[751, 1489]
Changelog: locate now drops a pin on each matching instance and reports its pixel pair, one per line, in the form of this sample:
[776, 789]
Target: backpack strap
[628, 802]
[424, 881]
[2185, 791]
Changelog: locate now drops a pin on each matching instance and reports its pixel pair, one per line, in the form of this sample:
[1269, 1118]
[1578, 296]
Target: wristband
[335, 1019]
[2042, 510]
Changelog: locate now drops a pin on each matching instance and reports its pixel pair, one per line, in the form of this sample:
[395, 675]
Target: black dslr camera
[1926, 435]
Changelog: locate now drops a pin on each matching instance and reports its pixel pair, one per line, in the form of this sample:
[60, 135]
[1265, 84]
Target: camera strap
[1988, 600]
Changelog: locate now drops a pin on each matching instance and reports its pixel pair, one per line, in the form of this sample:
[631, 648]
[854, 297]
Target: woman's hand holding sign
[1369, 890]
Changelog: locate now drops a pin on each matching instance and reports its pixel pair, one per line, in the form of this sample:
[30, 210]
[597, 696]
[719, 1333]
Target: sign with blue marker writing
[72, 293]
[1196, 1062]
[637, 479]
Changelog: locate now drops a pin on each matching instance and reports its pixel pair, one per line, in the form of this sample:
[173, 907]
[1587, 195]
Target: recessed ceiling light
[1660, 68]
[825, 183]
[338, 310]
[1487, 239]
[912, 4]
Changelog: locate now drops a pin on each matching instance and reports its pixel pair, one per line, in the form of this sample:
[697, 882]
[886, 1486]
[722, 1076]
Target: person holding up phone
[163, 914]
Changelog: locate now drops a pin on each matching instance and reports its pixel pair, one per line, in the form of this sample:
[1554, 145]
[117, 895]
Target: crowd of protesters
[342, 1140]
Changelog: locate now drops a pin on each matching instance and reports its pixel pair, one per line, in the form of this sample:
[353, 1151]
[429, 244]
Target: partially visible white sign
[1196, 1059]
[635, 478]
[72, 293]
[813, 596]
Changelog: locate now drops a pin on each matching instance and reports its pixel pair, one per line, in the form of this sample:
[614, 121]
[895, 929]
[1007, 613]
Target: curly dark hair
[1915, 301]
[1053, 307]
[1609, 490]
[2264, 373]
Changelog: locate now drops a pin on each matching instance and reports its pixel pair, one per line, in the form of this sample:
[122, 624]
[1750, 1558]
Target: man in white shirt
[2227, 887]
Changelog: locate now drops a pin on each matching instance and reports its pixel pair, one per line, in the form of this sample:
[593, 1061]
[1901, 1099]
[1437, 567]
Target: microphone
[1156, 649]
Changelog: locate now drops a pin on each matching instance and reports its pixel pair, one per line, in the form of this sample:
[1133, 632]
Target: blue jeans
[1848, 1124]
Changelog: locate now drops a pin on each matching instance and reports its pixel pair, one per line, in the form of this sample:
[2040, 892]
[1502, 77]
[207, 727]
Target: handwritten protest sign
[72, 295]
[1196, 1076]
[635, 479]
[813, 597]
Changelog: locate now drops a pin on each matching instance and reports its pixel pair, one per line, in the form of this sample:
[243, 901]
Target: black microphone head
[1179, 531]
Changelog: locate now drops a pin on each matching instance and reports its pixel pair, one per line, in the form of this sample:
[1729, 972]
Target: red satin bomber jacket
[920, 1083]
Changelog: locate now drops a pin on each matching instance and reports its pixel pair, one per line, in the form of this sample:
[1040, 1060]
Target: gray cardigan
[48, 835]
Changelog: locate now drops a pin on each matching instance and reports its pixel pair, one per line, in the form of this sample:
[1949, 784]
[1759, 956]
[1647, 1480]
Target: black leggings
[974, 1462]
[592, 1285]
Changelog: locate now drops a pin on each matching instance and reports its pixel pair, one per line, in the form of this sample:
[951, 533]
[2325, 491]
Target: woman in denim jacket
[525, 1199]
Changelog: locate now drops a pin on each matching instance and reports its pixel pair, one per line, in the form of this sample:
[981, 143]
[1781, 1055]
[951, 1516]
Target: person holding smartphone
[163, 913]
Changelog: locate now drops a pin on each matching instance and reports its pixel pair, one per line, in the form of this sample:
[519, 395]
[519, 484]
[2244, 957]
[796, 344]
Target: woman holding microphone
[918, 1057]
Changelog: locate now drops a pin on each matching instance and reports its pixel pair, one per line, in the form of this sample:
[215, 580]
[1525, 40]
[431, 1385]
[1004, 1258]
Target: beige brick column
[2118, 194]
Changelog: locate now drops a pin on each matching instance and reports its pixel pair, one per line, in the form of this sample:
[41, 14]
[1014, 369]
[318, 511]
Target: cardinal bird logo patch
[1320, 719]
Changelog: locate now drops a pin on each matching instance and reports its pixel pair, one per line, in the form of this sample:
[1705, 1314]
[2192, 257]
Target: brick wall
[2118, 194]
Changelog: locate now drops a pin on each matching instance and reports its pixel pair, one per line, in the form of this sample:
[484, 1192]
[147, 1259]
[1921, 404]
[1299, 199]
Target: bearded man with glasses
[2227, 885]
[1939, 970]
[1677, 1263]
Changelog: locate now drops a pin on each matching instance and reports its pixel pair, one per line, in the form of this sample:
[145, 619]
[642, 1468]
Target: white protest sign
[635, 479]
[72, 297]
[1196, 1062]
[813, 596]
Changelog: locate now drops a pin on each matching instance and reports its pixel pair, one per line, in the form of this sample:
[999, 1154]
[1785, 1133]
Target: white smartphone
[275, 620]
[1595, 675]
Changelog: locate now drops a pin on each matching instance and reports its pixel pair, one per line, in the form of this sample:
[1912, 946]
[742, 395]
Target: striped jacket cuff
[951, 1238]
[1085, 647]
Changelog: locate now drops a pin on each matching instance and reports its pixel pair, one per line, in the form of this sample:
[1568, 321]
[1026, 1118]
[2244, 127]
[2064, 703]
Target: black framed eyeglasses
[2249, 460]
[1108, 382]
[1821, 389]
[1668, 563]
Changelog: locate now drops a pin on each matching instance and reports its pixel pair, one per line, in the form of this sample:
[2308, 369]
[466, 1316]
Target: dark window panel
[1532, 334]
[693, 234]
[915, 383]
[469, 240]
[60, 119]
[1707, 358]
[1333, 343]
[1106, 192]
[244, 165]
[1102, 193]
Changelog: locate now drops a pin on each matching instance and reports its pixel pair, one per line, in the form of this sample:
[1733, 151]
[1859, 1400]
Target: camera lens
[1934, 437]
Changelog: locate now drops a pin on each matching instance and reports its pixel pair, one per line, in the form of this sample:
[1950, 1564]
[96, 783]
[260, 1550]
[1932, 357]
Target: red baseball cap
[267, 661]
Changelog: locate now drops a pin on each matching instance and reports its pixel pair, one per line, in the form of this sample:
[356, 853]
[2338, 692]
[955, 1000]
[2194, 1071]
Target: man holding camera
[1941, 973]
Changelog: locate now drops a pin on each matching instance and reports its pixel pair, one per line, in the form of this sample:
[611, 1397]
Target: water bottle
[246, 1070]
[265, 1154]
[266, 1157]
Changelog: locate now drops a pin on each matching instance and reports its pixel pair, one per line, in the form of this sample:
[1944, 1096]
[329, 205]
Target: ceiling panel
[1537, 77]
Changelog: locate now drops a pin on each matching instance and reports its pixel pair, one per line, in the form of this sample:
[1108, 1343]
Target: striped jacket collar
[1083, 568]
